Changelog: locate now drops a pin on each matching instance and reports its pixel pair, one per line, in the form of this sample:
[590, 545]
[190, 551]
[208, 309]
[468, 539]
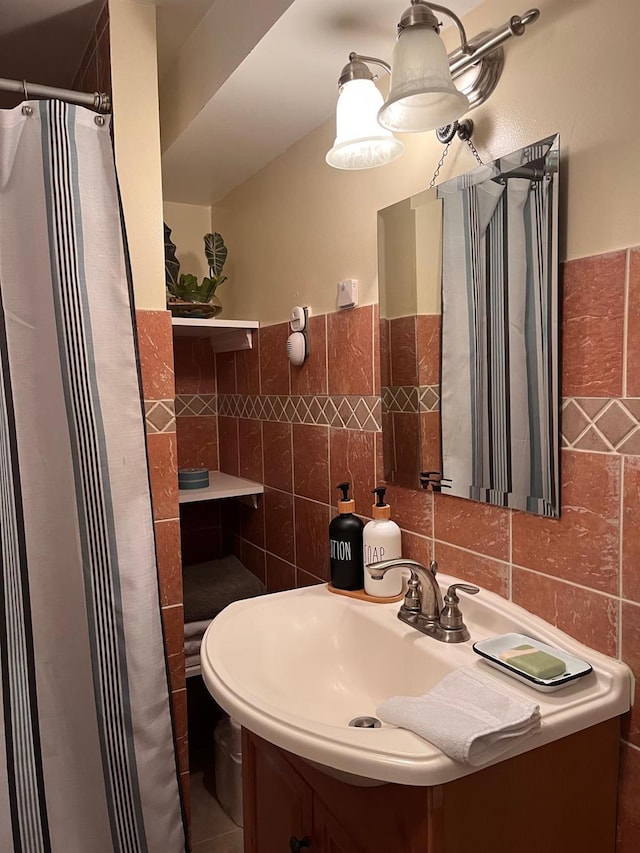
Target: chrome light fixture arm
[481, 46]
[358, 68]
[463, 58]
[374, 60]
[420, 14]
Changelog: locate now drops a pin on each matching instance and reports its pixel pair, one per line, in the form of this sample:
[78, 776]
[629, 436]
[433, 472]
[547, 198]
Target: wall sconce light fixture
[422, 95]
[361, 143]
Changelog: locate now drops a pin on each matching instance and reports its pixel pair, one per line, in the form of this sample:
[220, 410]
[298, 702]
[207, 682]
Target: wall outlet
[347, 293]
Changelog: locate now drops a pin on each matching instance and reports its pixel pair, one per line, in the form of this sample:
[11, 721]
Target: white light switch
[347, 293]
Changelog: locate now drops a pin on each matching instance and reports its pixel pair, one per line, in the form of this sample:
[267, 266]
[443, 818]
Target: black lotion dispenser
[345, 543]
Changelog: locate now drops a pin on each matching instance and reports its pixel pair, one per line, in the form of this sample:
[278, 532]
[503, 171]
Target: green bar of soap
[534, 662]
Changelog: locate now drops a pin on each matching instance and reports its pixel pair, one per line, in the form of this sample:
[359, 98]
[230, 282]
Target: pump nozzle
[380, 509]
[345, 504]
[379, 492]
[344, 487]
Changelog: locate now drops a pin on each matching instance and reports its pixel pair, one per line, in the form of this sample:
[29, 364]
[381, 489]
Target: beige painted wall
[397, 260]
[137, 144]
[409, 256]
[298, 227]
[428, 216]
[189, 223]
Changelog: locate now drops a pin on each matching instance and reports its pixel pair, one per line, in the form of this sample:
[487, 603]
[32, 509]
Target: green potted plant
[186, 297]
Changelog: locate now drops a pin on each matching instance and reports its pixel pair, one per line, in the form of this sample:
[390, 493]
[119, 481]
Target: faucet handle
[412, 598]
[452, 598]
[451, 615]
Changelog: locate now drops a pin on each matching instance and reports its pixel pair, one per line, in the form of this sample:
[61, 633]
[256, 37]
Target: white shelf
[221, 486]
[225, 335]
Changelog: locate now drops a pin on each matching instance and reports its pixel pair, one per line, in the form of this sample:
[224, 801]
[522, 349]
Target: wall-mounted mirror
[409, 276]
[469, 333]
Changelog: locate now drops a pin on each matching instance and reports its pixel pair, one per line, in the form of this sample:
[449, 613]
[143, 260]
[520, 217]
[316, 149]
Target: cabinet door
[290, 805]
[277, 802]
[330, 836]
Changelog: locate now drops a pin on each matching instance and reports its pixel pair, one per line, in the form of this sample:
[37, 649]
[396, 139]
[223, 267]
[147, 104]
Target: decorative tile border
[603, 424]
[196, 404]
[429, 398]
[336, 411]
[408, 398]
[160, 416]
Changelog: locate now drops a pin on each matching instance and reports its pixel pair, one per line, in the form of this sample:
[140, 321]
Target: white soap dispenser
[382, 540]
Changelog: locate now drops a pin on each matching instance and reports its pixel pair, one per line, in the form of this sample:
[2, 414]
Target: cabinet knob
[297, 844]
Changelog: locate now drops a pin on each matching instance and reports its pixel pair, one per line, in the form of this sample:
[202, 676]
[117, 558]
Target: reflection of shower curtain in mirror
[87, 760]
[498, 362]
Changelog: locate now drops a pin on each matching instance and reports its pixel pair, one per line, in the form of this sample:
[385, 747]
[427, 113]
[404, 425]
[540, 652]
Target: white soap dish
[492, 648]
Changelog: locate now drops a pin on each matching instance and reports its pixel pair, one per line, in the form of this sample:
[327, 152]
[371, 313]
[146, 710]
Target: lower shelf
[221, 486]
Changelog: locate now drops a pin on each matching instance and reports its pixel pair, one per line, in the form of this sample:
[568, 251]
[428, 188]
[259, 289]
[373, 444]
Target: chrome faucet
[423, 607]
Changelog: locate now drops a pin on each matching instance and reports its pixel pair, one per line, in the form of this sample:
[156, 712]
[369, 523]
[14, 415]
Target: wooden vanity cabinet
[560, 798]
[285, 797]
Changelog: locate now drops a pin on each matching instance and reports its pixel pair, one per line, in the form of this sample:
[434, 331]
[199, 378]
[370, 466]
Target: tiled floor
[212, 831]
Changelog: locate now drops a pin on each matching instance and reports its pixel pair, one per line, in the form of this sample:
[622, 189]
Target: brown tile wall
[156, 362]
[410, 382]
[284, 540]
[198, 442]
[580, 572]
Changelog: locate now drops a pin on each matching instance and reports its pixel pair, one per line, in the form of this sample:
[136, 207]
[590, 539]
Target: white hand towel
[196, 629]
[469, 717]
[192, 646]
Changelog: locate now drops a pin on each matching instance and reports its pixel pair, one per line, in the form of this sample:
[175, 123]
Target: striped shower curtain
[499, 359]
[87, 760]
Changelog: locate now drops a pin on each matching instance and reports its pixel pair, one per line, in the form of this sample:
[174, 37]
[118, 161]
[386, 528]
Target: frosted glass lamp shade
[422, 95]
[360, 141]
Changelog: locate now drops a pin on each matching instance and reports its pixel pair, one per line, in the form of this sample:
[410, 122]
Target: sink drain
[365, 723]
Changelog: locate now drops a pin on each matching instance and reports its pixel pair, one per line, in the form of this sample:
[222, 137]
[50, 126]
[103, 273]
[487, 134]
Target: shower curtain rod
[95, 100]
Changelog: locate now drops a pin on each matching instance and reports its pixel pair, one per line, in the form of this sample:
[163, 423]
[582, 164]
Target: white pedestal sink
[295, 667]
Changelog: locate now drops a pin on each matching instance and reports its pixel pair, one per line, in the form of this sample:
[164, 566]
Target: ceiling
[271, 73]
